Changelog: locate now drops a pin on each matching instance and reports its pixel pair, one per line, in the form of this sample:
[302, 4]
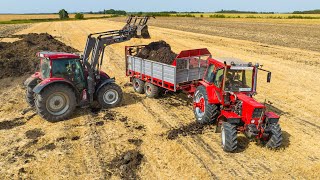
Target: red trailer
[184, 73]
[222, 92]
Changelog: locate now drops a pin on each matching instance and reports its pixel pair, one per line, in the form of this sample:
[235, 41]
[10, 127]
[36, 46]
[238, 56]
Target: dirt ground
[303, 34]
[84, 146]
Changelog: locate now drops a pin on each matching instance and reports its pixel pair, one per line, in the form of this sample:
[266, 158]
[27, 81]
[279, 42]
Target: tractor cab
[233, 76]
[62, 65]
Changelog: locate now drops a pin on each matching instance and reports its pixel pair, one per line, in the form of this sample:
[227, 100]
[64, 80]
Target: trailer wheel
[138, 85]
[275, 138]
[110, 95]
[229, 140]
[151, 90]
[204, 112]
[30, 96]
[56, 102]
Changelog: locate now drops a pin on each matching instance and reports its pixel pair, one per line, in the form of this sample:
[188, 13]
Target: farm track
[199, 156]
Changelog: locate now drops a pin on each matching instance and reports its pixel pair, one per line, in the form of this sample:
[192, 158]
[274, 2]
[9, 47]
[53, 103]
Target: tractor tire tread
[40, 102]
[211, 110]
[275, 140]
[231, 140]
[139, 90]
[105, 88]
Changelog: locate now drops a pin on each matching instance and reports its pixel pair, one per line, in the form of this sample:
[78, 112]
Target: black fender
[31, 81]
[104, 82]
[49, 82]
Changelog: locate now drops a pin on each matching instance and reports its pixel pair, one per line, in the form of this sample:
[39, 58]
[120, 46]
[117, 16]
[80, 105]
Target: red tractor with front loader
[67, 80]
[222, 92]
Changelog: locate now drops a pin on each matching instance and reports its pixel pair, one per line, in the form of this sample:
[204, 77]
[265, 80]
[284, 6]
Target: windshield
[239, 80]
[45, 68]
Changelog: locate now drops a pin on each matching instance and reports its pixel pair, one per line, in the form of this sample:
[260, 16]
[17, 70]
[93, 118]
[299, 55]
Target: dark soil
[10, 124]
[34, 134]
[19, 58]
[158, 51]
[49, 147]
[75, 138]
[99, 123]
[127, 164]
[188, 130]
[110, 115]
[136, 142]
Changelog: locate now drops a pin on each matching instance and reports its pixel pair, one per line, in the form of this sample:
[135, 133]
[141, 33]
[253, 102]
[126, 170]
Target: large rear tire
[138, 85]
[275, 139]
[204, 112]
[56, 102]
[30, 96]
[110, 95]
[229, 137]
[151, 90]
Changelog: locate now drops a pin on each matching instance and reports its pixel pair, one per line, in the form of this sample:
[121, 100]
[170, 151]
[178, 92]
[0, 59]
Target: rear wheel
[204, 112]
[151, 90]
[30, 96]
[110, 95]
[138, 85]
[275, 139]
[229, 140]
[56, 102]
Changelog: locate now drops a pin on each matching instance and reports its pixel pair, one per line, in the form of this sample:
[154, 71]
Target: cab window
[69, 69]
[218, 78]
[209, 77]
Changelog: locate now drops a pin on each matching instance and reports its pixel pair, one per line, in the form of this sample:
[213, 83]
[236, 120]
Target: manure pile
[19, 58]
[159, 51]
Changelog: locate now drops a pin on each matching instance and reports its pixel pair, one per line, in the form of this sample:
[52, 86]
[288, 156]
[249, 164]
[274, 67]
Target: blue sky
[45, 6]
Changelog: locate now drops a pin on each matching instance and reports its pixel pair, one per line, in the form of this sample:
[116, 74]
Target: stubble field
[85, 145]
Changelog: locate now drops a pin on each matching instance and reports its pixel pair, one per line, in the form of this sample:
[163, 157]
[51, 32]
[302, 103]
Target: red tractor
[68, 80]
[222, 92]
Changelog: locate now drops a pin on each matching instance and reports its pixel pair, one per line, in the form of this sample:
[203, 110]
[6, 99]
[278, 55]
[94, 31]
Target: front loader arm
[97, 42]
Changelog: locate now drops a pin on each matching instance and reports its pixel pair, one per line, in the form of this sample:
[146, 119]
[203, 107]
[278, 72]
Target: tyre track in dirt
[167, 125]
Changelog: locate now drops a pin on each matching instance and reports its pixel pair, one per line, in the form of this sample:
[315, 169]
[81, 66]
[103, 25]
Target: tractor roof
[57, 55]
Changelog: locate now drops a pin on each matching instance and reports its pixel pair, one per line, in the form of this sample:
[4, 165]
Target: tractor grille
[257, 113]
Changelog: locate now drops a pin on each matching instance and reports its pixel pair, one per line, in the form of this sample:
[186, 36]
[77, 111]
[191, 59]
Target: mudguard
[31, 81]
[50, 81]
[104, 82]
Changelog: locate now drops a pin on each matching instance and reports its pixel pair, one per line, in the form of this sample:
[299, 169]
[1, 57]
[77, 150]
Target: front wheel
[229, 137]
[275, 137]
[110, 95]
[56, 102]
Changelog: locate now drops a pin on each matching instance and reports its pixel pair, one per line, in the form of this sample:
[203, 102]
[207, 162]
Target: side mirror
[269, 77]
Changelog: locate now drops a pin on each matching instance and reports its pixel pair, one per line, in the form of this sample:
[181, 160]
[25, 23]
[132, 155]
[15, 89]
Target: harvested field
[19, 57]
[9, 17]
[9, 29]
[83, 147]
[303, 35]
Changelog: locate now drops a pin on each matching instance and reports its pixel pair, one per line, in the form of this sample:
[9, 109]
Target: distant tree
[63, 14]
[112, 11]
[79, 16]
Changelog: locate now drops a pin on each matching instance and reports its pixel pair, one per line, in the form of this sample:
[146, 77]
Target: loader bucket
[139, 24]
